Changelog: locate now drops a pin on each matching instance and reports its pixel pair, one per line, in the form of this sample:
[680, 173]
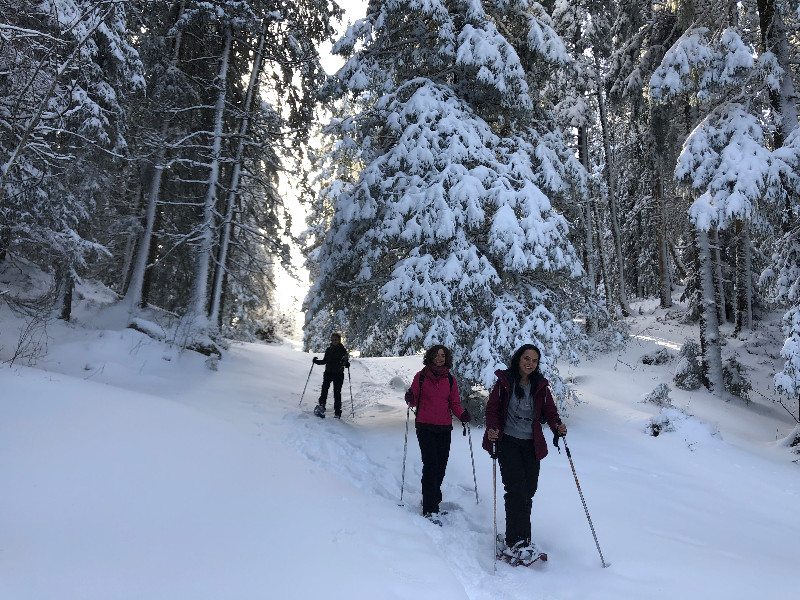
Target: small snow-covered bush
[659, 357]
[735, 379]
[659, 396]
[665, 421]
[658, 424]
[689, 372]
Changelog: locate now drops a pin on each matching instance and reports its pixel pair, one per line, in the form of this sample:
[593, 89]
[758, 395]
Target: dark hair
[337, 335]
[431, 353]
[512, 373]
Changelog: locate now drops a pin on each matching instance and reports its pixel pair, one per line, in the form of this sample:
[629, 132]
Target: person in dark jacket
[519, 398]
[335, 361]
[434, 391]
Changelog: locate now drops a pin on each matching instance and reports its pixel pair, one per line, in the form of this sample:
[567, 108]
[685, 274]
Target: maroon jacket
[497, 409]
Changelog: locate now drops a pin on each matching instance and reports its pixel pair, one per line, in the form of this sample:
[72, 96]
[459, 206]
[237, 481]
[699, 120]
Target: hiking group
[519, 404]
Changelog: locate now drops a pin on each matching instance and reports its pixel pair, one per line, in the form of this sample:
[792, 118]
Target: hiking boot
[319, 410]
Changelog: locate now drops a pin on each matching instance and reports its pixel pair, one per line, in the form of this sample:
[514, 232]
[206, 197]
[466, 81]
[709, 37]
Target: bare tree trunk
[134, 294]
[196, 313]
[622, 297]
[65, 285]
[709, 325]
[585, 211]
[664, 270]
[718, 276]
[233, 189]
[601, 253]
[744, 278]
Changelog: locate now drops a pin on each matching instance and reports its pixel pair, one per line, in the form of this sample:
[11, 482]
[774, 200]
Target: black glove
[347, 365]
[465, 416]
[409, 397]
[316, 361]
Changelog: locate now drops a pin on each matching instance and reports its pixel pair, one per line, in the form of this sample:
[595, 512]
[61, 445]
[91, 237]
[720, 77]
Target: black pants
[434, 445]
[519, 470]
[337, 379]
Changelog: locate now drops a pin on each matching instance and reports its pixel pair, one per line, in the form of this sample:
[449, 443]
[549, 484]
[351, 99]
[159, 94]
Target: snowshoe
[319, 411]
[433, 518]
[520, 554]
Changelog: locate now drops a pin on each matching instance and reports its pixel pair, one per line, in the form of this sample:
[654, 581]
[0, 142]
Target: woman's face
[440, 358]
[528, 362]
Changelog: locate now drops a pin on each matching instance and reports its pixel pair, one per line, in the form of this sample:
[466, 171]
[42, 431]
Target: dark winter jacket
[436, 399]
[335, 359]
[497, 411]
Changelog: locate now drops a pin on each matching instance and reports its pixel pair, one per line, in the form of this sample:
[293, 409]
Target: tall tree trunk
[196, 313]
[659, 130]
[133, 297]
[709, 324]
[233, 188]
[664, 270]
[66, 286]
[716, 253]
[585, 211]
[622, 297]
[744, 277]
[601, 253]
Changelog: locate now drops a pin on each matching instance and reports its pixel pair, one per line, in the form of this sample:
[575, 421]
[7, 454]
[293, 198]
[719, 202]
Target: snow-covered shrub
[689, 372]
[665, 421]
[659, 357]
[735, 379]
[659, 396]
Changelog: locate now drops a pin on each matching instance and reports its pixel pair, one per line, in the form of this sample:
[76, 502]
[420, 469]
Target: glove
[347, 365]
[465, 416]
[316, 361]
[409, 397]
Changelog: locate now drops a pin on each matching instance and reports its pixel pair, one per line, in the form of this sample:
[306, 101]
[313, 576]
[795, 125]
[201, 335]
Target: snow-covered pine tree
[68, 70]
[782, 277]
[724, 163]
[446, 232]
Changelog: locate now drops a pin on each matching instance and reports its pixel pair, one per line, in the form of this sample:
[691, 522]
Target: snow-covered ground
[131, 471]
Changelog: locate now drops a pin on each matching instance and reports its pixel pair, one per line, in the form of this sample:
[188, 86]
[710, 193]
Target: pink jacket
[436, 400]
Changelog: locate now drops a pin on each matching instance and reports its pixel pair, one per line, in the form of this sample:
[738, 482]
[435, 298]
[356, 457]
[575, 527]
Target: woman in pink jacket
[434, 392]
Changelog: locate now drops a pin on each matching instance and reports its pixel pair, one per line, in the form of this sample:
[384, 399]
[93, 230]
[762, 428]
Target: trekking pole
[306, 385]
[350, 384]
[472, 456]
[577, 483]
[405, 449]
[494, 487]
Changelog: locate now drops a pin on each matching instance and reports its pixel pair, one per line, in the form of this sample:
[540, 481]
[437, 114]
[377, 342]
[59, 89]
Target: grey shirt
[519, 421]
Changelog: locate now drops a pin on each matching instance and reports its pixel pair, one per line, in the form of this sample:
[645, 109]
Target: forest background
[476, 173]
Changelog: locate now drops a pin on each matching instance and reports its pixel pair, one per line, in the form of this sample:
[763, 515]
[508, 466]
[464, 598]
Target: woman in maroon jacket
[434, 392]
[520, 397]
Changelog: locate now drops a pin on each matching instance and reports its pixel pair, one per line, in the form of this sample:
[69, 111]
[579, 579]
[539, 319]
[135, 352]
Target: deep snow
[132, 471]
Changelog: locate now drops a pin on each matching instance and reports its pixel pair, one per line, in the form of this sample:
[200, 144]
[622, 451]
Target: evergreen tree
[69, 71]
[446, 232]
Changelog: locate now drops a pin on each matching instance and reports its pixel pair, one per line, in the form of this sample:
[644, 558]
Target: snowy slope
[130, 471]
